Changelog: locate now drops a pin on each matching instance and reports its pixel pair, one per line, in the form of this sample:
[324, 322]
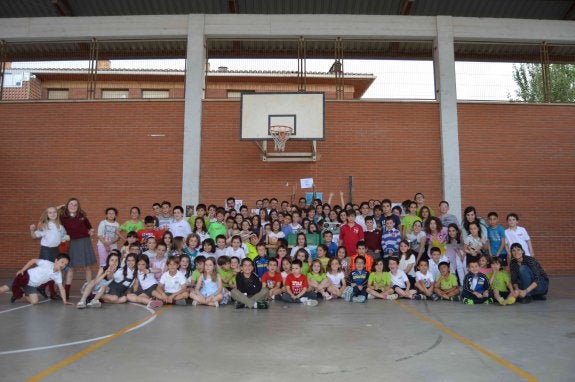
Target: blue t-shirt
[261, 265]
[495, 235]
[359, 278]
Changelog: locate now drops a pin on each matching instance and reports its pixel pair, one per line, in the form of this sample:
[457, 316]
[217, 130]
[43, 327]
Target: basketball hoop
[280, 134]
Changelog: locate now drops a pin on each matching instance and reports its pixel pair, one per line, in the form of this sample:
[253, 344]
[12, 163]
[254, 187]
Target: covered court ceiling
[518, 9]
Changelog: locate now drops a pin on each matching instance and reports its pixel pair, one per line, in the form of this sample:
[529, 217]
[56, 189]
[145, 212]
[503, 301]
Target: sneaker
[539, 297]
[262, 305]
[194, 303]
[392, 296]
[12, 300]
[488, 301]
[94, 304]
[510, 300]
[216, 304]
[180, 302]
[239, 305]
[434, 297]
[303, 300]
[81, 305]
[501, 301]
[154, 304]
[327, 296]
[359, 299]
[370, 297]
[348, 294]
[56, 298]
[468, 301]
[455, 299]
[418, 297]
[525, 300]
[310, 302]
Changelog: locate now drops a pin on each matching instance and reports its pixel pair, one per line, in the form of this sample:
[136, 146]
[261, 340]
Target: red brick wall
[391, 150]
[521, 158]
[99, 152]
[513, 157]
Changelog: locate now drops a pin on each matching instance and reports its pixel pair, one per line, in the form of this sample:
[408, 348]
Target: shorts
[148, 292]
[504, 294]
[28, 290]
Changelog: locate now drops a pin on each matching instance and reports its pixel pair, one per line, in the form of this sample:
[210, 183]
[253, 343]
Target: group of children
[370, 251]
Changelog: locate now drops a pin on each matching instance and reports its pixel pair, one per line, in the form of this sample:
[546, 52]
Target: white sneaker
[327, 296]
[303, 300]
[81, 305]
[94, 304]
[392, 296]
[370, 296]
[309, 302]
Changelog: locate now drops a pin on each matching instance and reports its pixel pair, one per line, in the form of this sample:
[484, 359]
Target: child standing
[379, 283]
[108, 235]
[51, 232]
[517, 234]
[436, 237]
[158, 263]
[446, 286]
[208, 290]
[474, 243]
[407, 260]
[357, 291]
[409, 219]
[249, 291]
[297, 287]
[496, 237]
[372, 238]
[454, 251]
[390, 238]
[476, 285]
[350, 233]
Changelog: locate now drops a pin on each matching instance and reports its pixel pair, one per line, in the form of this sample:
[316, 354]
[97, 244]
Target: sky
[395, 79]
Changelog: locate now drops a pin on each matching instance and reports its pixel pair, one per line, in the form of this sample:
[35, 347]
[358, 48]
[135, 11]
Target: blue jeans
[526, 277]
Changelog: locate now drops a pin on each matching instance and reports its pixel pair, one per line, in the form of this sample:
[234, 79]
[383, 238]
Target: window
[57, 93]
[114, 93]
[155, 93]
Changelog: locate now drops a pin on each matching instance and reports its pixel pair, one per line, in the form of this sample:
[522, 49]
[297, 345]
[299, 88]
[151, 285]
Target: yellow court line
[469, 343]
[90, 349]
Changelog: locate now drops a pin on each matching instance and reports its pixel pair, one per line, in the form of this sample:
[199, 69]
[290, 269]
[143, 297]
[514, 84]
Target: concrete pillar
[195, 67]
[444, 67]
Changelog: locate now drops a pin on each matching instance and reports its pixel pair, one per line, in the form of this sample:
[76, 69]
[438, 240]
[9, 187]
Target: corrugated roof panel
[27, 8]
[352, 7]
[521, 9]
[146, 7]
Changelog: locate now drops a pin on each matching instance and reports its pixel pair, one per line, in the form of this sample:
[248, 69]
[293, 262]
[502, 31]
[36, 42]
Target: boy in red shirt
[350, 233]
[272, 279]
[297, 287]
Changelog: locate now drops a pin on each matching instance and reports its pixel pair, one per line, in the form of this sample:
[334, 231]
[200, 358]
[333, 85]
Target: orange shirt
[368, 262]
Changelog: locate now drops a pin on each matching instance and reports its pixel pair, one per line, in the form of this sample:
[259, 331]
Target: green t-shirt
[192, 221]
[196, 275]
[252, 251]
[380, 281]
[407, 222]
[500, 281]
[224, 275]
[129, 226]
[216, 229]
[324, 261]
[446, 283]
[318, 278]
[305, 268]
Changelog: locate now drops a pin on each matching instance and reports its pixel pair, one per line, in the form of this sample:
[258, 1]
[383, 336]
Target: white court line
[49, 347]
[22, 307]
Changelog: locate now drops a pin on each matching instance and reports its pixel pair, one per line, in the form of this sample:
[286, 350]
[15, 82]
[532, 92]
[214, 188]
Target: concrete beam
[278, 26]
[195, 73]
[444, 66]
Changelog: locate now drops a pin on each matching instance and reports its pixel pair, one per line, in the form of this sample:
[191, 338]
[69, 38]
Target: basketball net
[280, 135]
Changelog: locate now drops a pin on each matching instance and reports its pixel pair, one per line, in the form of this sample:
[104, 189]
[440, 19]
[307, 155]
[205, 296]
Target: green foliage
[529, 80]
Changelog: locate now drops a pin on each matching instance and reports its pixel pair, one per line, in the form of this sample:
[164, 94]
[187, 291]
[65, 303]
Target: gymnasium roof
[518, 9]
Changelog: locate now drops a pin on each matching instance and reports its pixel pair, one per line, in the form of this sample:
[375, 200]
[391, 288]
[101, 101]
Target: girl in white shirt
[400, 282]
[145, 285]
[51, 232]
[337, 278]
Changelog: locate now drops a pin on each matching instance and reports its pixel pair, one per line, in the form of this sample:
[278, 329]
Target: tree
[529, 80]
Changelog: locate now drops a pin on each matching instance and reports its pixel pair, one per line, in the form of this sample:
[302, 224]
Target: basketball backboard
[303, 112]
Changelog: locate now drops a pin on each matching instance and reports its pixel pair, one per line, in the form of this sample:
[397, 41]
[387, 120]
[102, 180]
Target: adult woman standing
[80, 230]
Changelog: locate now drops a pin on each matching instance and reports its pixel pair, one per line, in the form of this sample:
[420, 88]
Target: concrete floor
[335, 341]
